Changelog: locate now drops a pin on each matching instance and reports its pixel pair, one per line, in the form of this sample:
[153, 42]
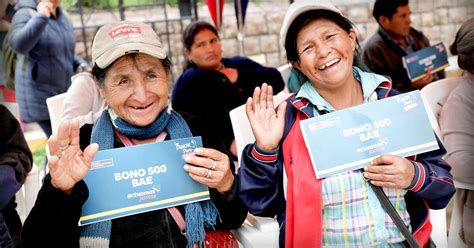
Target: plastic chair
[434, 96]
[256, 231]
[26, 196]
[55, 108]
[13, 108]
[453, 238]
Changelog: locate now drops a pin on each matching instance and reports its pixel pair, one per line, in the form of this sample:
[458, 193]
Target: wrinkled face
[136, 88]
[206, 50]
[400, 22]
[326, 54]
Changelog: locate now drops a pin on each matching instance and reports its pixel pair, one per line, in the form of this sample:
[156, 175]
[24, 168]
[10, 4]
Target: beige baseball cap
[299, 7]
[114, 40]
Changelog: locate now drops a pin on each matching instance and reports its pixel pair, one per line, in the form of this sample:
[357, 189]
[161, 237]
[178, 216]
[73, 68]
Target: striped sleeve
[420, 177]
[264, 156]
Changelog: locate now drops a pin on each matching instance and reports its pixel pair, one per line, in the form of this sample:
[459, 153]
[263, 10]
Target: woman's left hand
[390, 171]
[210, 167]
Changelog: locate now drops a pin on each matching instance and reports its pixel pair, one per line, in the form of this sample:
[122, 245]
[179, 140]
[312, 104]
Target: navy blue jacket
[48, 44]
[205, 97]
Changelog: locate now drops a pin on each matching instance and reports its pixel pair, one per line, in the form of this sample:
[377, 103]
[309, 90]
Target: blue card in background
[434, 57]
[350, 139]
[141, 178]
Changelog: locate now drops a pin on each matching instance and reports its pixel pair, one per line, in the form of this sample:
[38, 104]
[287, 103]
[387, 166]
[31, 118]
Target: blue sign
[433, 57]
[141, 178]
[350, 139]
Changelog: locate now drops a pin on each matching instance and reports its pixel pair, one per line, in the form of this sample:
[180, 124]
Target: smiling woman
[339, 210]
[131, 69]
[136, 88]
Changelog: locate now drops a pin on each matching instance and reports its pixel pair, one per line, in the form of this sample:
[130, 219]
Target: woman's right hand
[267, 125]
[68, 164]
[45, 8]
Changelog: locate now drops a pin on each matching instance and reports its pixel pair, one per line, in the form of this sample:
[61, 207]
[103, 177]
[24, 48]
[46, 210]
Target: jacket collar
[307, 99]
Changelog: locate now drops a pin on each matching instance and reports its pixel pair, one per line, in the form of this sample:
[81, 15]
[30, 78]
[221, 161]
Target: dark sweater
[53, 220]
[205, 97]
[384, 57]
[15, 163]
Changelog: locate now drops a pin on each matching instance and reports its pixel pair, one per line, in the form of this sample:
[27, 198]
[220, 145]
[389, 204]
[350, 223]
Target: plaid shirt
[352, 213]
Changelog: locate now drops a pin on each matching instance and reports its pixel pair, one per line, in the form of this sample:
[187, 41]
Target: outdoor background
[437, 19]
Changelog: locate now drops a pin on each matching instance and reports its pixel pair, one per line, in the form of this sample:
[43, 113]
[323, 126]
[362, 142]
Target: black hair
[463, 46]
[193, 29]
[307, 17]
[387, 8]
[100, 73]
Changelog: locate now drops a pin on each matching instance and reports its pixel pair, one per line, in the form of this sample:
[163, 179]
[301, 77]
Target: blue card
[350, 139]
[434, 57]
[141, 178]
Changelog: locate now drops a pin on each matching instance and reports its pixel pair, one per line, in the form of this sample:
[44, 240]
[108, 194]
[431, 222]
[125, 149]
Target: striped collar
[308, 94]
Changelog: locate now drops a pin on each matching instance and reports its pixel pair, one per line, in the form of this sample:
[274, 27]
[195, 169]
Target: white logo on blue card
[141, 178]
[350, 139]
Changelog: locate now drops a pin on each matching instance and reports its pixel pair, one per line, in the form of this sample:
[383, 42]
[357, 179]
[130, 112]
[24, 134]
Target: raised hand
[45, 7]
[267, 125]
[68, 164]
[420, 83]
[390, 171]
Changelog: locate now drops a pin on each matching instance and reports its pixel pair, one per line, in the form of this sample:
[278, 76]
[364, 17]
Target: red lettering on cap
[123, 30]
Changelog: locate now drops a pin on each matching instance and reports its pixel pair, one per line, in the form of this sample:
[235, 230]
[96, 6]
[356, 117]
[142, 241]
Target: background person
[395, 38]
[131, 69]
[15, 163]
[6, 14]
[457, 126]
[45, 40]
[211, 86]
[4, 27]
[339, 210]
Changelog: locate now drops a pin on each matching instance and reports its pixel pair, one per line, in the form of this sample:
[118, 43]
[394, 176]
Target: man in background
[394, 39]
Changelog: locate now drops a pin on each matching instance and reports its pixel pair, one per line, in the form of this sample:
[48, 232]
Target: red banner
[213, 6]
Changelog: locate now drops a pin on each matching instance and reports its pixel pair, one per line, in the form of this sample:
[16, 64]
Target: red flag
[214, 5]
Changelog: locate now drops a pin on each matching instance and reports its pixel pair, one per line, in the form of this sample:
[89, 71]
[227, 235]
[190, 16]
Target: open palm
[267, 124]
[68, 163]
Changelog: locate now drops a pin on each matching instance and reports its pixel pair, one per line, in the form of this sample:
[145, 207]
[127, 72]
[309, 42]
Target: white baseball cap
[300, 6]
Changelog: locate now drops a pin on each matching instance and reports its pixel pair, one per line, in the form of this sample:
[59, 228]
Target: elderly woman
[339, 210]
[131, 68]
[211, 86]
[458, 133]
